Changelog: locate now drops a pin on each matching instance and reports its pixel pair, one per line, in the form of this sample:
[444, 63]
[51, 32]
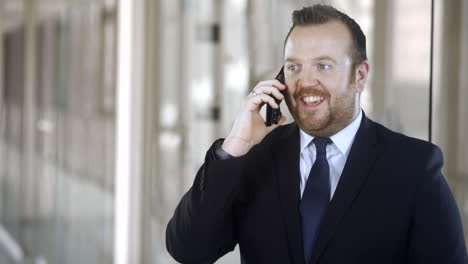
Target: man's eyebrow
[289, 59]
[320, 58]
[325, 58]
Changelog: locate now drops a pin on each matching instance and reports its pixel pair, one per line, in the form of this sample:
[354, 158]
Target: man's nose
[308, 78]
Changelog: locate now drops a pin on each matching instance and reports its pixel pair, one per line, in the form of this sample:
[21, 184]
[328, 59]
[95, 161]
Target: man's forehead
[332, 25]
[321, 40]
[332, 29]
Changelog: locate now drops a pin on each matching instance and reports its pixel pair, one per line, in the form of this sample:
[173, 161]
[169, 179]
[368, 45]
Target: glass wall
[58, 129]
[449, 108]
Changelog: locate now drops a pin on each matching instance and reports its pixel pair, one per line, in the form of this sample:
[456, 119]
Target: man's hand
[249, 128]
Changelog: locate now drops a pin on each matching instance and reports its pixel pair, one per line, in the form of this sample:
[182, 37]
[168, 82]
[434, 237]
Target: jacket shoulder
[408, 150]
[392, 139]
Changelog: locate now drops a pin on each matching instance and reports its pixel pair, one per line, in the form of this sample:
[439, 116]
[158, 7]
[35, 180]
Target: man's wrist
[219, 152]
[235, 146]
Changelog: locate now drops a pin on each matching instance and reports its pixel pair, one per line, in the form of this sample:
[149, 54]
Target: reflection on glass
[63, 212]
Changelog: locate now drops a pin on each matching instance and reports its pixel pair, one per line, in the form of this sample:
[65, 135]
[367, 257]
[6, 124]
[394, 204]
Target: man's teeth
[312, 99]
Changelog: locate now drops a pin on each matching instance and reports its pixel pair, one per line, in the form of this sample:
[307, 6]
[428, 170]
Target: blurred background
[107, 108]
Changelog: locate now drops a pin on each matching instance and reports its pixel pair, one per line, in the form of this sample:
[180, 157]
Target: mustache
[313, 92]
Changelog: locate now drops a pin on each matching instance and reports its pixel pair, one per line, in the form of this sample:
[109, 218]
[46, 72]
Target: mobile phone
[273, 115]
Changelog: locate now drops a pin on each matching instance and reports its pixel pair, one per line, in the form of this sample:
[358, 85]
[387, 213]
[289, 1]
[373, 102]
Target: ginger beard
[334, 112]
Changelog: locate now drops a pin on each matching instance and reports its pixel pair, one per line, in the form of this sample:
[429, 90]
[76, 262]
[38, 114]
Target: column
[129, 139]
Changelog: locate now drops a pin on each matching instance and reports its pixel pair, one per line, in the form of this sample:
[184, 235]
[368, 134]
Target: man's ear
[361, 73]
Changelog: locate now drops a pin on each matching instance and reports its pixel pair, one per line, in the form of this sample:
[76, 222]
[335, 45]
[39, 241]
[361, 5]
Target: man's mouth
[312, 101]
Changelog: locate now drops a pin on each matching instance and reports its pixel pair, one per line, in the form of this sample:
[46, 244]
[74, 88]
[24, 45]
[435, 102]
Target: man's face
[322, 95]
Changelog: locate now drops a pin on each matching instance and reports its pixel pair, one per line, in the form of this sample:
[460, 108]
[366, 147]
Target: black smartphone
[273, 115]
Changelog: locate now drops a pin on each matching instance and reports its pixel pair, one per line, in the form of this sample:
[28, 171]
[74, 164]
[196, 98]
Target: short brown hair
[321, 14]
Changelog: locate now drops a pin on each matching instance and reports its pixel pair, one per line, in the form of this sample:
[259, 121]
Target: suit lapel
[358, 165]
[286, 162]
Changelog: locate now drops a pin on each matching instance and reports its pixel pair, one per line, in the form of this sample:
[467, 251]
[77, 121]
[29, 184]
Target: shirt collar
[342, 140]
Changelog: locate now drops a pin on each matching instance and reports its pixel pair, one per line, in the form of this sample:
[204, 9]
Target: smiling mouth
[312, 101]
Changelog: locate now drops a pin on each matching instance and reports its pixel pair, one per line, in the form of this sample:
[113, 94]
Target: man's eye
[323, 66]
[292, 67]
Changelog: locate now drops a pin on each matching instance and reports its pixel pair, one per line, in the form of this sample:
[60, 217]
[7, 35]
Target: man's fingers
[274, 83]
[255, 102]
[269, 90]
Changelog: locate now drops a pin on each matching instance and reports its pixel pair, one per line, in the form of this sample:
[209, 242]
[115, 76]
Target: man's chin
[313, 126]
[311, 122]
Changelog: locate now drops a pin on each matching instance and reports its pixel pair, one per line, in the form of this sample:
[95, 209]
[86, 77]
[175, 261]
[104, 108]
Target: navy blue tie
[315, 198]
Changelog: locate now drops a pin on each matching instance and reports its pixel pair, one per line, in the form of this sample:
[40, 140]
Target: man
[332, 187]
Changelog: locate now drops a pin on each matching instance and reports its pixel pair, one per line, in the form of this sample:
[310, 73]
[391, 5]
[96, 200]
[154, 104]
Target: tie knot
[321, 145]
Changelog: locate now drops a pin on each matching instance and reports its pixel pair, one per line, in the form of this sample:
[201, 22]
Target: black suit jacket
[392, 205]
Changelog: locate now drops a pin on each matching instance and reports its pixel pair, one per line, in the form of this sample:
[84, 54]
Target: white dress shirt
[337, 153]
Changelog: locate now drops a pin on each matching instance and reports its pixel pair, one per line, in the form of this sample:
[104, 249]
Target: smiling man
[324, 80]
[331, 187]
